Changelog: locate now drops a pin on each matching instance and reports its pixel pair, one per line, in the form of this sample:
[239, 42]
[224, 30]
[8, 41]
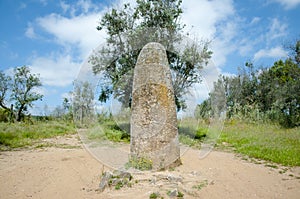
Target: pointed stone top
[154, 45]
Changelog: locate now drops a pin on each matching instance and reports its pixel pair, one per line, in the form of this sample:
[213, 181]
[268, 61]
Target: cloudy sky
[54, 38]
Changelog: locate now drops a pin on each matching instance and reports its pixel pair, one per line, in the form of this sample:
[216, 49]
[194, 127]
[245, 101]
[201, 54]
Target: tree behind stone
[129, 29]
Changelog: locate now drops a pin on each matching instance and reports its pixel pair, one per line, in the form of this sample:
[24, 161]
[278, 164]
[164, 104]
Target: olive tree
[18, 91]
[131, 28]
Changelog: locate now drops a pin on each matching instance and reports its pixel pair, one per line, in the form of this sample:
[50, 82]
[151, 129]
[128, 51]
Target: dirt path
[73, 173]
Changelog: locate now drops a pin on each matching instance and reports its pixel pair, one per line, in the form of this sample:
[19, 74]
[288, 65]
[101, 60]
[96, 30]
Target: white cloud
[77, 32]
[202, 16]
[30, 33]
[22, 6]
[276, 29]
[79, 7]
[77, 35]
[245, 46]
[229, 74]
[276, 52]
[55, 70]
[288, 4]
[43, 2]
[224, 43]
[210, 74]
[84, 5]
[255, 20]
[65, 7]
[212, 20]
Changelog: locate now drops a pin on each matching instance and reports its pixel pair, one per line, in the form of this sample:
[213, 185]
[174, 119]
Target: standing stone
[154, 133]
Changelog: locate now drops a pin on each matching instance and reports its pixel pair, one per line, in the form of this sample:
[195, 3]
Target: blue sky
[54, 37]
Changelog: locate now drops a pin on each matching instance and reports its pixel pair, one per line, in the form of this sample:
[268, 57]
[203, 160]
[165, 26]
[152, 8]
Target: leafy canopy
[129, 29]
[271, 94]
[20, 87]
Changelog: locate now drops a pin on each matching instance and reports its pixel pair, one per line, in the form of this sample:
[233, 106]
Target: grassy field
[263, 141]
[17, 135]
[255, 140]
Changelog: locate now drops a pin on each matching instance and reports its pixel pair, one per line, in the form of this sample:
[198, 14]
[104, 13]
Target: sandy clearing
[74, 173]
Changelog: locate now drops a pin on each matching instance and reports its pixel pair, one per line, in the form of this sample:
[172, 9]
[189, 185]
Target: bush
[4, 115]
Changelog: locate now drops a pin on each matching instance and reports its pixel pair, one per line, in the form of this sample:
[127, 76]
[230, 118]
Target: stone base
[177, 163]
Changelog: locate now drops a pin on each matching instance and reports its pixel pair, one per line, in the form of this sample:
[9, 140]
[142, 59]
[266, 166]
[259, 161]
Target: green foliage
[120, 179]
[4, 115]
[140, 163]
[154, 195]
[180, 195]
[21, 86]
[201, 133]
[114, 133]
[17, 135]
[108, 129]
[203, 110]
[297, 52]
[269, 94]
[129, 29]
[263, 141]
[201, 185]
[119, 185]
[285, 78]
[192, 132]
[187, 140]
[5, 86]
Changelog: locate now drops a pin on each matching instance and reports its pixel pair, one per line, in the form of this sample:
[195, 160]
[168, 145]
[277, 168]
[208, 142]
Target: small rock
[153, 181]
[105, 180]
[173, 193]
[122, 174]
[194, 173]
[117, 179]
[172, 178]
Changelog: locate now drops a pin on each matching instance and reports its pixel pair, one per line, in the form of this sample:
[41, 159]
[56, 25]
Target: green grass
[194, 133]
[263, 141]
[191, 132]
[154, 195]
[254, 140]
[201, 185]
[16, 135]
[109, 130]
[141, 163]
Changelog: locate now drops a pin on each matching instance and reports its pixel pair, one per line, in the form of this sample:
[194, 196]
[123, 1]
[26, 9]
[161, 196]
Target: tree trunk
[19, 113]
[11, 114]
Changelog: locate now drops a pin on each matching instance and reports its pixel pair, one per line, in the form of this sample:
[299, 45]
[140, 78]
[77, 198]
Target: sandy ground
[69, 171]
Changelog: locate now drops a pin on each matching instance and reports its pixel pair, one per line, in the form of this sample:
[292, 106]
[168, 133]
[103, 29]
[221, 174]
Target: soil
[63, 168]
